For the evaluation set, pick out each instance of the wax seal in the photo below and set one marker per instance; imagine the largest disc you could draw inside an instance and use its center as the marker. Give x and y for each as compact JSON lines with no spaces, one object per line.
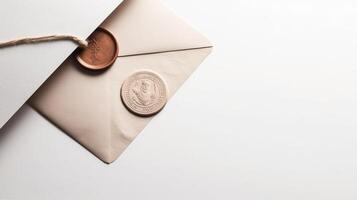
{"x":144,"y":93}
{"x":101,"y":52}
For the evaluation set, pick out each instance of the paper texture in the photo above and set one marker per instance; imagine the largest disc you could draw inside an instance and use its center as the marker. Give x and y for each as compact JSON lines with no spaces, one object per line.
{"x":87,"y":106}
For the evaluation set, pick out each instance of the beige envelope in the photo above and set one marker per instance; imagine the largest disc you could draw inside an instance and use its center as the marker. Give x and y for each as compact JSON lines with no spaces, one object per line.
{"x":88,"y":107}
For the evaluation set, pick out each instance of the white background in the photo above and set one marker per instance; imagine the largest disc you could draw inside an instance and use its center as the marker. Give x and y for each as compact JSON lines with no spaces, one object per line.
{"x":271,"y":114}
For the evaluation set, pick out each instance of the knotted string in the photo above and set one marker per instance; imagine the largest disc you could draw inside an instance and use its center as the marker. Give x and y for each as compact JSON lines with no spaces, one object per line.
{"x":31,"y":40}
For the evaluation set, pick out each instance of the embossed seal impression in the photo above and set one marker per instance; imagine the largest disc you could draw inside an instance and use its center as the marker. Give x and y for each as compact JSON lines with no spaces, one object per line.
{"x":144,"y":93}
{"x":101,"y":52}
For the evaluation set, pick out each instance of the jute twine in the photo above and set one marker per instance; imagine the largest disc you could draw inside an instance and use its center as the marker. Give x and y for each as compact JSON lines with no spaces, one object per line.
{"x":31,"y":40}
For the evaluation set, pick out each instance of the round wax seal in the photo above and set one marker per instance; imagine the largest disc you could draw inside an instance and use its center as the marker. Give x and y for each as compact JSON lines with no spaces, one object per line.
{"x":101,"y":52}
{"x":144,"y":93}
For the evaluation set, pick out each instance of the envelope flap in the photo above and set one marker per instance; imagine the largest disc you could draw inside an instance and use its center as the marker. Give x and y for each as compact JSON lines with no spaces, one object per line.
{"x":144,"y":26}
{"x":89,"y":108}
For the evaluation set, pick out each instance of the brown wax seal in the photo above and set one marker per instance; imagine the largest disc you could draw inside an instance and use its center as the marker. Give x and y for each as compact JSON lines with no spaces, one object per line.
{"x":101,"y":52}
{"x":144,"y":93}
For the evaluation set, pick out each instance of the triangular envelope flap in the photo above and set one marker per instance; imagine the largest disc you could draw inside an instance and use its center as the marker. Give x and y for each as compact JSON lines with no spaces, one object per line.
{"x":147,"y":26}
{"x":89,"y":108}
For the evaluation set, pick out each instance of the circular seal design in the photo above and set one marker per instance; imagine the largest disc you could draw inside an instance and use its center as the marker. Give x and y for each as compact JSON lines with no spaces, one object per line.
{"x":102,"y":50}
{"x":144,"y":93}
